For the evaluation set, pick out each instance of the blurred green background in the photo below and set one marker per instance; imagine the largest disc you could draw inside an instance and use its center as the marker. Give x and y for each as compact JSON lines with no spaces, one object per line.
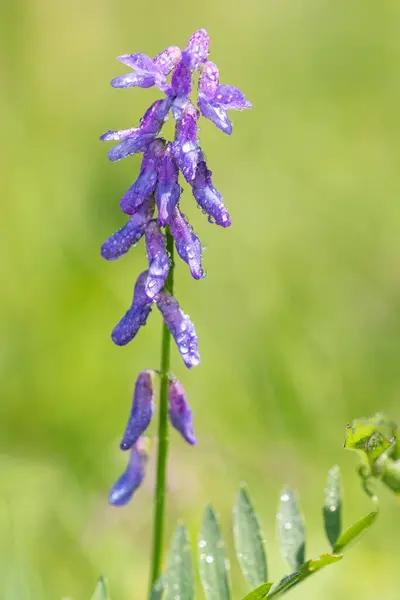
{"x":299,"y":316}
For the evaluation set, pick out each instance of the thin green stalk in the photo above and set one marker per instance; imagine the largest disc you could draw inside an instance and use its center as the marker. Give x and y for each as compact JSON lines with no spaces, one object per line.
{"x":162,"y":454}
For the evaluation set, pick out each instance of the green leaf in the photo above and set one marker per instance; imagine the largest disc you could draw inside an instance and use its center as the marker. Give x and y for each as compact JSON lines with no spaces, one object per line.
{"x":212,"y":558}
{"x":284,"y":585}
{"x":158,"y":588}
{"x":372,"y":436}
{"x":249,"y":541}
{"x":315,"y":564}
{"x":179,"y":576}
{"x":332,"y":509}
{"x":291,"y":530}
{"x":391,"y":475}
{"x":354,"y":532}
{"x":259,"y":593}
{"x":101,"y":591}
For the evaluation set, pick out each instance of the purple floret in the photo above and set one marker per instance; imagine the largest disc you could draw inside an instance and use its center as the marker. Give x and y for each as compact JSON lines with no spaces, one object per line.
{"x":187,"y":243}
{"x":185,"y":147}
{"x":122,"y":240}
{"x":136,"y":316}
{"x":123,"y":490}
{"x":214,"y":100}
{"x":145,"y":184}
{"x":181,"y":328}
{"x":137,"y":139}
{"x":208,"y":197}
{"x":142,"y":409}
{"x":179,"y":411}
{"x":196,"y":51}
{"x":159,"y":261}
{"x":180,"y":89}
{"x":168,"y":189}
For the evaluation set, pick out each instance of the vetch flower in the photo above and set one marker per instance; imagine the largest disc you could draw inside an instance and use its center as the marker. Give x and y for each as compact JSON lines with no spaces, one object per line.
{"x":145,"y":184}
{"x":196,"y":51}
{"x":121,"y":241}
{"x":142,"y":409}
{"x":123,"y":490}
{"x":179,"y":411}
{"x":159,"y":261}
{"x":184,"y":146}
{"x":187,"y":244}
{"x":136,"y":316}
{"x":215,"y":100}
{"x":181,"y":327}
{"x":137,"y":139}
{"x":168,"y":189}
{"x":208,"y":197}
{"x":147,"y":71}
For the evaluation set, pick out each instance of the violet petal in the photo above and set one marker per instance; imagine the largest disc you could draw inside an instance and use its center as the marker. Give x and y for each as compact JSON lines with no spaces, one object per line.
{"x":181,"y":328}
{"x":121,"y":241}
{"x":216,"y":113}
{"x":208,"y":197}
{"x":168,"y":189}
{"x":231,"y":97}
{"x":167,"y":59}
{"x":145,"y":184}
{"x":179,"y":411}
{"x":196,"y":51}
{"x":159,"y":261}
{"x":187,"y":243}
{"x":209,"y":80}
{"x":123,"y":490}
{"x":142,"y":409}
{"x":180,"y":89}
{"x":136,"y":316}
{"x":185,"y":147}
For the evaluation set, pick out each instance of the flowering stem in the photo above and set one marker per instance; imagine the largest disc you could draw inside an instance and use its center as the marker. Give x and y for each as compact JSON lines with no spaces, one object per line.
{"x":160,"y":493}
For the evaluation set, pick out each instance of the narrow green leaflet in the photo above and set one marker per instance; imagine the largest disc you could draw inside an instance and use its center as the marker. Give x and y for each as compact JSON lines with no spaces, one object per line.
{"x":179,"y":577}
{"x":354,"y":532}
{"x":291,"y":529}
{"x":259,"y":593}
{"x":101,"y":591}
{"x":315,"y":564}
{"x":284,"y":585}
{"x":332,"y":509}
{"x":249,"y":541}
{"x":212,"y":559}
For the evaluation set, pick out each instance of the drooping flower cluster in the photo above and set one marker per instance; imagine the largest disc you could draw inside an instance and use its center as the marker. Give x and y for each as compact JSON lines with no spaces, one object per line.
{"x":157,"y":187}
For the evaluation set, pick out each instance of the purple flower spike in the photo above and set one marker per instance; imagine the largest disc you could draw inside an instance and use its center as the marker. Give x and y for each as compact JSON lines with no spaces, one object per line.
{"x":137,"y":139}
{"x":185,"y":147}
{"x":146,"y":72}
{"x":179,"y":411}
{"x":145,"y":184}
{"x":214,"y":100}
{"x":187,"y":244}
{"x":136,"y":316}
{"x":181,"y":327}
{"x":142,"y":410}
{"x":168,"y":190}
{"x":159,"y":262}
{"x":208,"y":197}
{"x":167,"y":59}
{"x":121,"y":241}
{"x":123,"y":490}
{"x":197,"y":50}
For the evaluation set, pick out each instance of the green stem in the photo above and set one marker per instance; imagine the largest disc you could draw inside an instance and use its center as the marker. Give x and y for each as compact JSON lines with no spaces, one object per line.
{"x":160,"y":492}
